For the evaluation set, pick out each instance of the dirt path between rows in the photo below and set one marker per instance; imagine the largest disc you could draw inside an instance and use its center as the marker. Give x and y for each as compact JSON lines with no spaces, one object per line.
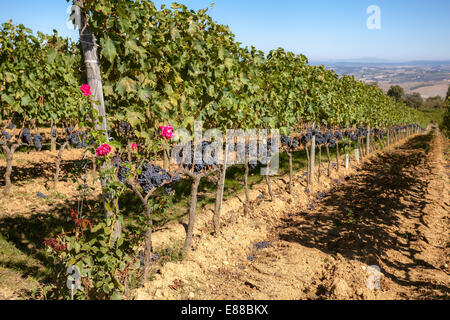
{"x":392,"y":213}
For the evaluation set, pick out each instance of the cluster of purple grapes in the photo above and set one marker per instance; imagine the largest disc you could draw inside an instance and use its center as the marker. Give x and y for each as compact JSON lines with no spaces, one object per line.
{"x":6,"y":135}
{"x":209,"y":157}
{"x":328,"y":138}
{"x":154,"y":177}
{"x":151,"y":176}
{"x":76,"y":138}
{"x":30,"y":139}
{"x":123,"y":171}
{"x":398,"y":129}
{"x":379,"y":133}
{"x":26,"y":136}
{"x":322,"y":138}
{"x":126,"y":129}
{"x":289,"y":142}
{"x":37,"y":140}
{"x":355,"y":135}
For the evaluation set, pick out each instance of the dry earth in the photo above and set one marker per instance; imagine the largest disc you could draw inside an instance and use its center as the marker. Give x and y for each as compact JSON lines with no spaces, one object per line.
{"x":428,"y":89}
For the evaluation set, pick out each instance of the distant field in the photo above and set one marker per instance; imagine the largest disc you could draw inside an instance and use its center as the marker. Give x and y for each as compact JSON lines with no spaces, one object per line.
{"x":429,"y":78}
{"x":430,"y":89}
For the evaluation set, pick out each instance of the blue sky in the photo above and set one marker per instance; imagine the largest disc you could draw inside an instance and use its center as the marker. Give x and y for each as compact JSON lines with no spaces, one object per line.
{"x":320,"y":29}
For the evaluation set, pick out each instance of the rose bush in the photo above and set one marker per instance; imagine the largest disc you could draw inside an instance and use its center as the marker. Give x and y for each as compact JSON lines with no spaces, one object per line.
{"x":167,"y":131}
{"x":103,"y":150}
{"x":86,"y":89}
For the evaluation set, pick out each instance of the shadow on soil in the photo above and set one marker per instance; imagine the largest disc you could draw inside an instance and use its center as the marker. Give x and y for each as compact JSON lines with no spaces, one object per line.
{"x":20,"y":174}
{"x":355,"y":217}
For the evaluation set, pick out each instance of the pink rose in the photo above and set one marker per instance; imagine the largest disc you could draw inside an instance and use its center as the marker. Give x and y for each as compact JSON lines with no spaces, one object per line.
{"x":86,"y":89}
{"x":134,"y":146}
{"x":103,"y":150}
{"x":167,"y":131}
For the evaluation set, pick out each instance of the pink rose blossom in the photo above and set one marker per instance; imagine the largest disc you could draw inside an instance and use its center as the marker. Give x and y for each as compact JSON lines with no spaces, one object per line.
{"x":86,"y":89}
{"x":167,"y":131}
{"x":103,"y":150}
{"x":134,"y":146}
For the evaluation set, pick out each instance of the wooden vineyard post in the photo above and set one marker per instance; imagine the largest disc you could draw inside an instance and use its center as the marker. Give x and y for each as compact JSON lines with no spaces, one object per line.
{"x":388,"y":138}
{"x":9,"y":152}
{"x":312,"y":160}
{"x":357,"y":151}
{"x":93,"y":73}
{"x":320,"y":163}
{"x":192,"y":208}
{"x":329,"y":159}
{"x":89,"y":47}
{"x":220,"y":189}
{"x":52,"y":138}
{"x":347,"y":161}
{"x":368,"y":141}
{"x":337,"y":156}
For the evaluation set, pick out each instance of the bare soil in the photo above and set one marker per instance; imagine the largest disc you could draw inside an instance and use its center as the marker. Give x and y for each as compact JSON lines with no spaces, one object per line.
{"x":390,"y":212}
{"x":33,"y":172}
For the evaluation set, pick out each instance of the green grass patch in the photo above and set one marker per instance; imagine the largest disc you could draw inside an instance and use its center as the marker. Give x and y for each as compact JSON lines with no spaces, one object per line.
{"x":432,"y":115}
{"x":19,"y":271}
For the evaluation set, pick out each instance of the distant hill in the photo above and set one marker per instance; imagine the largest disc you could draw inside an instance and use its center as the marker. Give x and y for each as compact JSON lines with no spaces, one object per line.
{"x":376,"y":61}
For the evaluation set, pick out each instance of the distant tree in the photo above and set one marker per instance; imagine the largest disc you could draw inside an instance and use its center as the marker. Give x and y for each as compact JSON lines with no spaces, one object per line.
{"x":396,"y":92}
{"x":434,"y":102}
{"x":414,"y":100}
{"x":448,"y":94}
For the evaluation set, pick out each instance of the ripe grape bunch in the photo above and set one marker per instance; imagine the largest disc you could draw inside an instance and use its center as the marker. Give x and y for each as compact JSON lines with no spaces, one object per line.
{"x":123,"y":172}
{"x":379,"y":133}
{"x":154,"y":177}
{"x":289,"y":142}
{"x":37,"y":140}
{"x":26,"y":136}
{"x":349,"y":134}
{"x":326,"y":138}
{"x":6,"y":135}
{"x":206,"y":161}
{"x":321,"y":138}
{"x":126,"y":129}
{"x":150,"y":177}
{"x":75,"y":139}
{"x":338,"y":136}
